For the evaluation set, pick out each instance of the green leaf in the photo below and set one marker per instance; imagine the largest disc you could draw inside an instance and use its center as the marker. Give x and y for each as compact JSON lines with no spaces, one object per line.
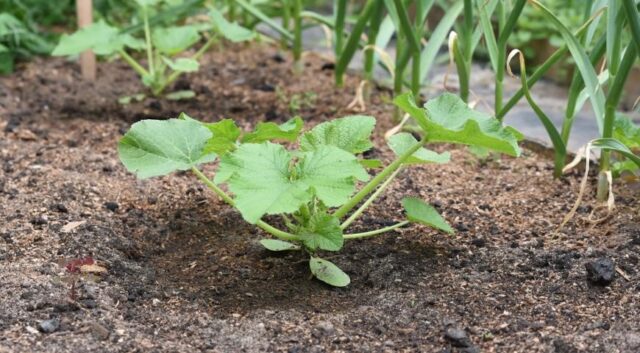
{"x":448,"y":119}
{"x":323,"y":232}
{"x":400,"y":143}
{"x":328,"y":273}
{"x":371,"y":163}
{"x":159,"y":147}
{"x":626,"y":131}
{"x":351,"y":133}
{"x":230,"y":30}
{"x":182,"y":64}
{"x":264,"y":180}
{"x":420,"y":212}
{"x":479,"y":152}
{"x":180,"y":95}
{"x":288,"y":131}
{"x":278,"y":245}
{"x":124,"y":100}
{"x":258,"y":175}
{"x":225,"y":134}
{"x":100,"y":37}
{"x":615,"y":145}
{"x":174,"y":40}
{"x":330,"y":172}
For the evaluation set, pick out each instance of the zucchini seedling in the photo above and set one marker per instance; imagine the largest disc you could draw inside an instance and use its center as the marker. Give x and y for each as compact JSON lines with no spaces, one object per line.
{"x":313,"y":188}
{"x":164,"y":46}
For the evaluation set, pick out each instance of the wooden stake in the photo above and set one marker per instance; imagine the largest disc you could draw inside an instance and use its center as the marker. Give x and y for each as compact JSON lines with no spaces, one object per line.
{"x":84,"y":11}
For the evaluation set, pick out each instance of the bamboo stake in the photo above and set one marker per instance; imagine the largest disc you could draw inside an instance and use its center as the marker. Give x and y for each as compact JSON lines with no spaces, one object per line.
{"x":84,"y":11}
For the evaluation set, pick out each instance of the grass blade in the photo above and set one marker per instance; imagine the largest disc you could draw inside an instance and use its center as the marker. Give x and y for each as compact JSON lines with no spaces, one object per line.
{"x":582,"y":62}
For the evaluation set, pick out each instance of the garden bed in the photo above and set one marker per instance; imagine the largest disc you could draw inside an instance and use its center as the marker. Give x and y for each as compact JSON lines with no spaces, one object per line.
{"x":185,"y":272}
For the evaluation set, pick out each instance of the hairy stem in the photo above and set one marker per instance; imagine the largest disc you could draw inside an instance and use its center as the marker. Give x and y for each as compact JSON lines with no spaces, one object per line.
{"x":375,"y":232}
{"x":370,"y":200}
{"x":147,"y":38}
{"x":382,"y":176}
{"x":133,"y":63}
{"x":226,"y":198}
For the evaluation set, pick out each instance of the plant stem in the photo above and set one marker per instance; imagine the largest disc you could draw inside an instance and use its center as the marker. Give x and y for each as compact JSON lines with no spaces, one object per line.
{"x":414,"y":46}
{"x":297,"y":37}
{"x":505,"y":33}
{"x":613,"y":98}
{"x":226,"y":198}
{"x":367,"y":189}
{"x":375,"y":232}
{"x":372,"y":35}
{"x":341,"y":12}
{"x":133,"y":63}
{"x":175,"y":74}
{"x":147,"y":38}
{"x":370,"y":200}
{"x":286,"y":17}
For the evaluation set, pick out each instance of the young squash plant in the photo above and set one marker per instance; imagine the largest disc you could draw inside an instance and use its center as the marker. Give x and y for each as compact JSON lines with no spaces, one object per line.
{"x":319,"y":188}
{"x":164,"y":46}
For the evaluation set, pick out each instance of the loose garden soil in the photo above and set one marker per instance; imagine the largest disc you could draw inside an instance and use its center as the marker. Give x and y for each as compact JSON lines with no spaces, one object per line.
{"x":185,"y":273}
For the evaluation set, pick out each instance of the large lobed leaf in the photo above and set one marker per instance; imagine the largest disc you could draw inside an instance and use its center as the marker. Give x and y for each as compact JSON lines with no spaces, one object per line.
{"x":175,"y":39}
{"x":351,"y":133}
{"x":230,"y":30}
{"x":158,"y":147}
{"x":99,"y":37}
{"x":448,"y":119}
{"x":259,"y":176}
{"x":265,"y":180}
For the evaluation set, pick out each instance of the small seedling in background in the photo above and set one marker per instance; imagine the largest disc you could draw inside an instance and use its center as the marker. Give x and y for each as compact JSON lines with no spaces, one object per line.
{"x":314,"y":187}
{"x":164,"y":46}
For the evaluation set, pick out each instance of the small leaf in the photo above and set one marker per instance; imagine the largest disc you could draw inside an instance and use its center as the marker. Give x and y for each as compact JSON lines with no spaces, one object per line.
{"x":288,"y":131}
{"x":180,"y":95}
{"x":182,"y":64}
{"x":225,"y":134}
{"x":124,"y":100}
{"x":448,"y":119}
{"x":626,"y":131}
{"x":278,"y":245}
{"x":323,"y":232}
{"x":420,"y":212}
{"x":230,"y":30}
{"x":174,"y":40}
{"x":351,"y":133}
{"x":159,"y":147}
{"x":328,"y":273}
{"x":371,"y":163}
{"x":400,"y":143}
{"x":615,"y":145}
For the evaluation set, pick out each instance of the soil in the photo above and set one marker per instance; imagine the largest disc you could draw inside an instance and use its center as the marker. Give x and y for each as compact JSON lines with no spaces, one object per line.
{"x":184,"y":273}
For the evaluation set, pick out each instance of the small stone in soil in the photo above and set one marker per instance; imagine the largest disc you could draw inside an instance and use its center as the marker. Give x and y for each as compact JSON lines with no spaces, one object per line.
{"x":65,"y":307}
{"x":89,"y":303}
{"x":479,"y":242}
{"x":601,"y":271}
{"x":457,"y":337}
{"x":49,"y":326}
{"x":40,"y":220}
{"x":111,"y":206}
{"x":324,"y":328}
{"x":60,"y":207}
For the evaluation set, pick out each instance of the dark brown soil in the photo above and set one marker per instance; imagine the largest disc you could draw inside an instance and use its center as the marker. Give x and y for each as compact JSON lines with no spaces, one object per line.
{"x":185,"y":273}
